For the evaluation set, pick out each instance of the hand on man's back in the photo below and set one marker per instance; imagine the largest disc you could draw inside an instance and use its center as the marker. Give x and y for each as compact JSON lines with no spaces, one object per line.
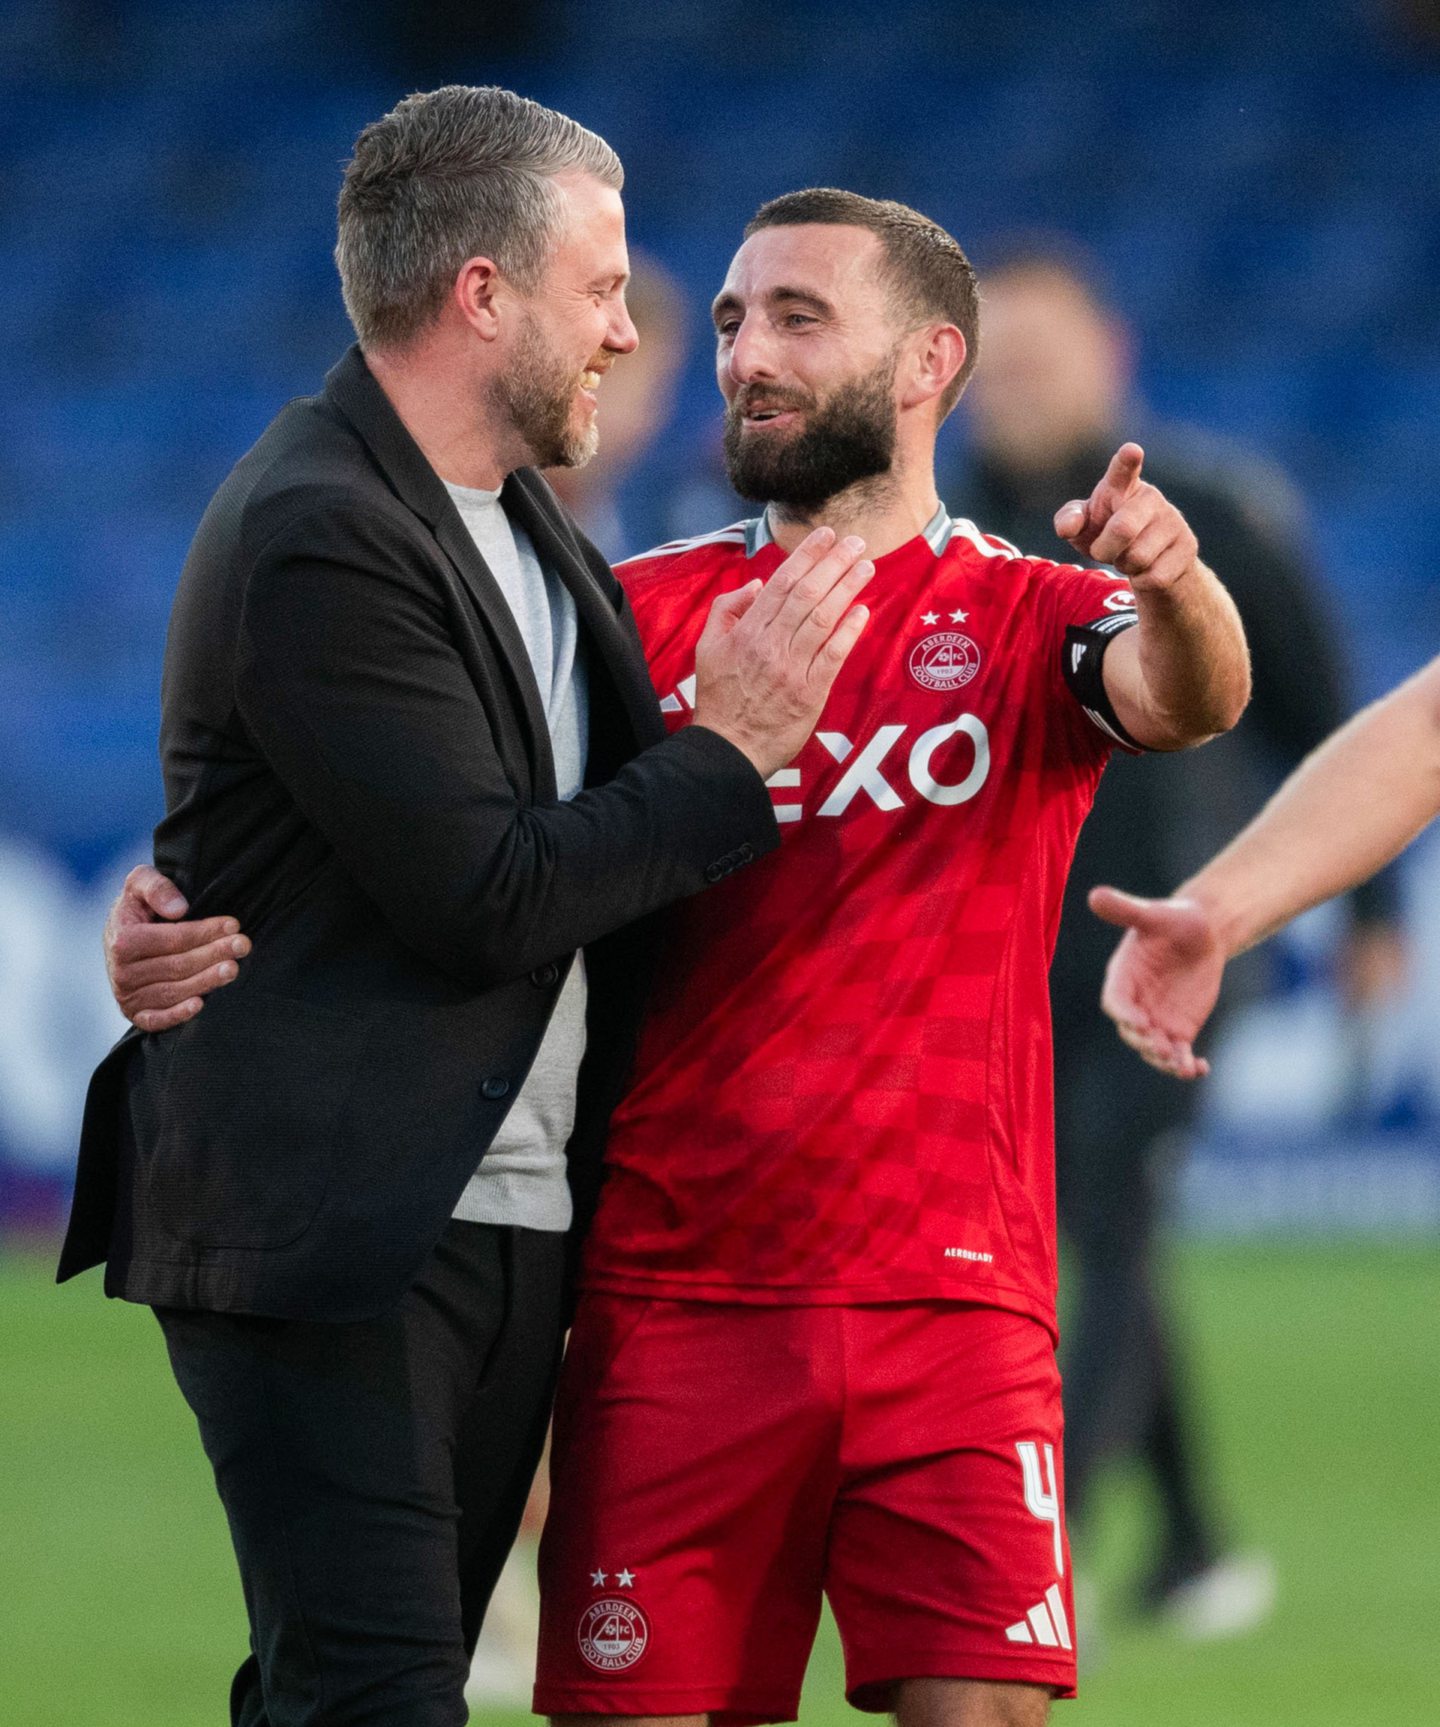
{"x":161,"y":968}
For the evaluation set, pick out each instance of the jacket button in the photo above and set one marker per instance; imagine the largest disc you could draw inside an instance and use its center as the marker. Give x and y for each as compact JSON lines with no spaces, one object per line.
{"x":544,"y":975}
{"x":714,"y":871}
{"x":495,"y":1089}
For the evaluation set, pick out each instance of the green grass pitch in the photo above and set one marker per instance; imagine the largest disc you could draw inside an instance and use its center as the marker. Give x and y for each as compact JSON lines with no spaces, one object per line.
{"x":1321,"y":1371}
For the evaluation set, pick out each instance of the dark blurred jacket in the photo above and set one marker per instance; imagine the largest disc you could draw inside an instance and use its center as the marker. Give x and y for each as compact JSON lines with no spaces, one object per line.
{"x":1157,"y":818}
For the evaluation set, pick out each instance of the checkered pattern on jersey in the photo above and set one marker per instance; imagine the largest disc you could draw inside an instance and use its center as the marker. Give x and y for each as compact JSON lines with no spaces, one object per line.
{"x":843,"y":1090}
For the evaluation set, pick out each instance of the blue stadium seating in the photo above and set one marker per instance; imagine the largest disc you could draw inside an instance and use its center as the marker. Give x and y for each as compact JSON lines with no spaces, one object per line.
{"x":1261,"y":181}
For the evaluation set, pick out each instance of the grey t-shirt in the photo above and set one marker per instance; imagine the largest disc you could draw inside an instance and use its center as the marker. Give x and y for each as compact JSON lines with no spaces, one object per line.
{"x":522,"y":1178}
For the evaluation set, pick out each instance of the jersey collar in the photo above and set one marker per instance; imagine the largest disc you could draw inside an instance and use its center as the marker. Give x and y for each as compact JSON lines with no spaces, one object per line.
{"x":936,"y":532}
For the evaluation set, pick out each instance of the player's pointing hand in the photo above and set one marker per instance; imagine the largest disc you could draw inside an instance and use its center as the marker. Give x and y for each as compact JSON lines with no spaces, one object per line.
{"x":1081,"y":520}
{"x":1130,"y":525}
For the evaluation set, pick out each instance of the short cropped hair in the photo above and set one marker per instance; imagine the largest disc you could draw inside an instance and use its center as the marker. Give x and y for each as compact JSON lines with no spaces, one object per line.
{"x":929,"y":275}
{"x":456,"y":173}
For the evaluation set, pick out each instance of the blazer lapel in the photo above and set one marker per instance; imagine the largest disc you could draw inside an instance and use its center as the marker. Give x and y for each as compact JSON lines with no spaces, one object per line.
{"x":485,"y":591}
{"x":534,"y":507}
{"x":351,"y":388}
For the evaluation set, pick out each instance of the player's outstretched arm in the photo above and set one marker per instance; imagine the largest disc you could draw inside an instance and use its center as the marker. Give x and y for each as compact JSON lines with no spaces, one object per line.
{"x":1184,"y":674}
{"x":159,"y":966}
{"x":1350,"y":807}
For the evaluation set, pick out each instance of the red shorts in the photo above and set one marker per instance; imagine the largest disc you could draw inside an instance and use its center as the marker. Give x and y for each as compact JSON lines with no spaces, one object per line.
{"x":716,"y":1468}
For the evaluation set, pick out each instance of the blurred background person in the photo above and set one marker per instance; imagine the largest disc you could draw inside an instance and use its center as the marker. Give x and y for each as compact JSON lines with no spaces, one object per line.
{"x":1054,"y":389}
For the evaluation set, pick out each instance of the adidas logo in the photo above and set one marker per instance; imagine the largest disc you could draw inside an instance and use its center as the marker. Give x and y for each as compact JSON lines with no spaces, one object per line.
{"x":1044,"y":1623}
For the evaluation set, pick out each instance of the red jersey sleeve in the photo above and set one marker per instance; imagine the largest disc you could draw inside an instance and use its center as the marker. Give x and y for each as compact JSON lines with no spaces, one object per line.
{"x":1080,"y":612}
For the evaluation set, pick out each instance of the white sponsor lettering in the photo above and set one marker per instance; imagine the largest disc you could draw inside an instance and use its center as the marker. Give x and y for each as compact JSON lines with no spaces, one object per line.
{"x":681,"y":697}
{"x":926,"y":745}
{"x":863,"y":774}
{"x":864,"y":769}
{"x":783,"y":779}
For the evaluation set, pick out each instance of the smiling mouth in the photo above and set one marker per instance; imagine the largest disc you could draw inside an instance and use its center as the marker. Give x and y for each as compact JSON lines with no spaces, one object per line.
{"x":767,"y":416}
{"x":590,"y":381}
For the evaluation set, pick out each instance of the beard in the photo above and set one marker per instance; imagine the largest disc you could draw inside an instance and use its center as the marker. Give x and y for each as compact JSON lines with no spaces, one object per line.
{"x":537,"y":395}
{"x":850,"y":437}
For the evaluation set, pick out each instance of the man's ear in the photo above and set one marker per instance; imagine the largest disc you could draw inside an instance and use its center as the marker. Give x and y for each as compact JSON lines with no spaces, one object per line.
{"x":478,"y":292}
{"x":937,"y":354}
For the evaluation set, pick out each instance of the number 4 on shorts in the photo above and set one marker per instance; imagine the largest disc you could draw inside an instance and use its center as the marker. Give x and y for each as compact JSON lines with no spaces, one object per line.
{"x":1042,"y":1501}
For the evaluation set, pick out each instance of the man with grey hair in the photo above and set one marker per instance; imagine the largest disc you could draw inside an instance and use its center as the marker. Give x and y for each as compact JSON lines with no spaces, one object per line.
{"x":409,"y":739}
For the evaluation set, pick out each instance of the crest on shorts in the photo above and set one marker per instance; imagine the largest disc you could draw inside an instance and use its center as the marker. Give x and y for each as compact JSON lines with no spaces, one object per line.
{"x":944,"y":661}
{"x":613,"y":1635}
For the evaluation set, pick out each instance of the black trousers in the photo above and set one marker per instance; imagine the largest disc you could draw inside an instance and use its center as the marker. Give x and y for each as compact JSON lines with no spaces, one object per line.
{"x":1117,"y":1125}
{"x":374,"y":1475}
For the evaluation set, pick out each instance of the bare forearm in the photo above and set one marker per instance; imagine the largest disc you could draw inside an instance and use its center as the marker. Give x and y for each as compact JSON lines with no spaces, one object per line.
{"x":1192,"y":667}
{"x":1348,"y":810}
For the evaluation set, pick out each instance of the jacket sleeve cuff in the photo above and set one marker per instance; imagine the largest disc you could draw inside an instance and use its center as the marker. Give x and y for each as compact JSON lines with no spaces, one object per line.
{"x":735,"y":816}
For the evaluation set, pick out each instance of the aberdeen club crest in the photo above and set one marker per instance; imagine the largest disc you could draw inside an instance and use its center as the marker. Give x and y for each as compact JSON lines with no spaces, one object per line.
{"x":613,"y":1635}
{"x":944,"y":661}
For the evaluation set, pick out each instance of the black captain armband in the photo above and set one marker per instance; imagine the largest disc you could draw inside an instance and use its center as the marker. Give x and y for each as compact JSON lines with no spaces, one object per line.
{"x":1085,"y":646}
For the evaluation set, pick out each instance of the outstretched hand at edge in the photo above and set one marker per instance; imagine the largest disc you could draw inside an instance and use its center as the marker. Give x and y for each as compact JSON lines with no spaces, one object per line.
{"x":1164,"y":978}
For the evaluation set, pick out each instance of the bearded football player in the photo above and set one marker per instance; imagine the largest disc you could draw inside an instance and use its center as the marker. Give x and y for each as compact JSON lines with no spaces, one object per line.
{"x":814,"y":1348}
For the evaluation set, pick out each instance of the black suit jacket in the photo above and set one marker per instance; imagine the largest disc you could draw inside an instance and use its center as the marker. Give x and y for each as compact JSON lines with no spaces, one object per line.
{"x":357,"y":766}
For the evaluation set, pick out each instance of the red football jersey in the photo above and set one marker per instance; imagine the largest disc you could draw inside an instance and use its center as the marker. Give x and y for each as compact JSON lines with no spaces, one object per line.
{"x":843,"y":1090}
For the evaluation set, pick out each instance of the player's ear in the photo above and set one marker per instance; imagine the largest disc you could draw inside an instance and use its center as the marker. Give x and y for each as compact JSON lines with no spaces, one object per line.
{"x":937,"y":352}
